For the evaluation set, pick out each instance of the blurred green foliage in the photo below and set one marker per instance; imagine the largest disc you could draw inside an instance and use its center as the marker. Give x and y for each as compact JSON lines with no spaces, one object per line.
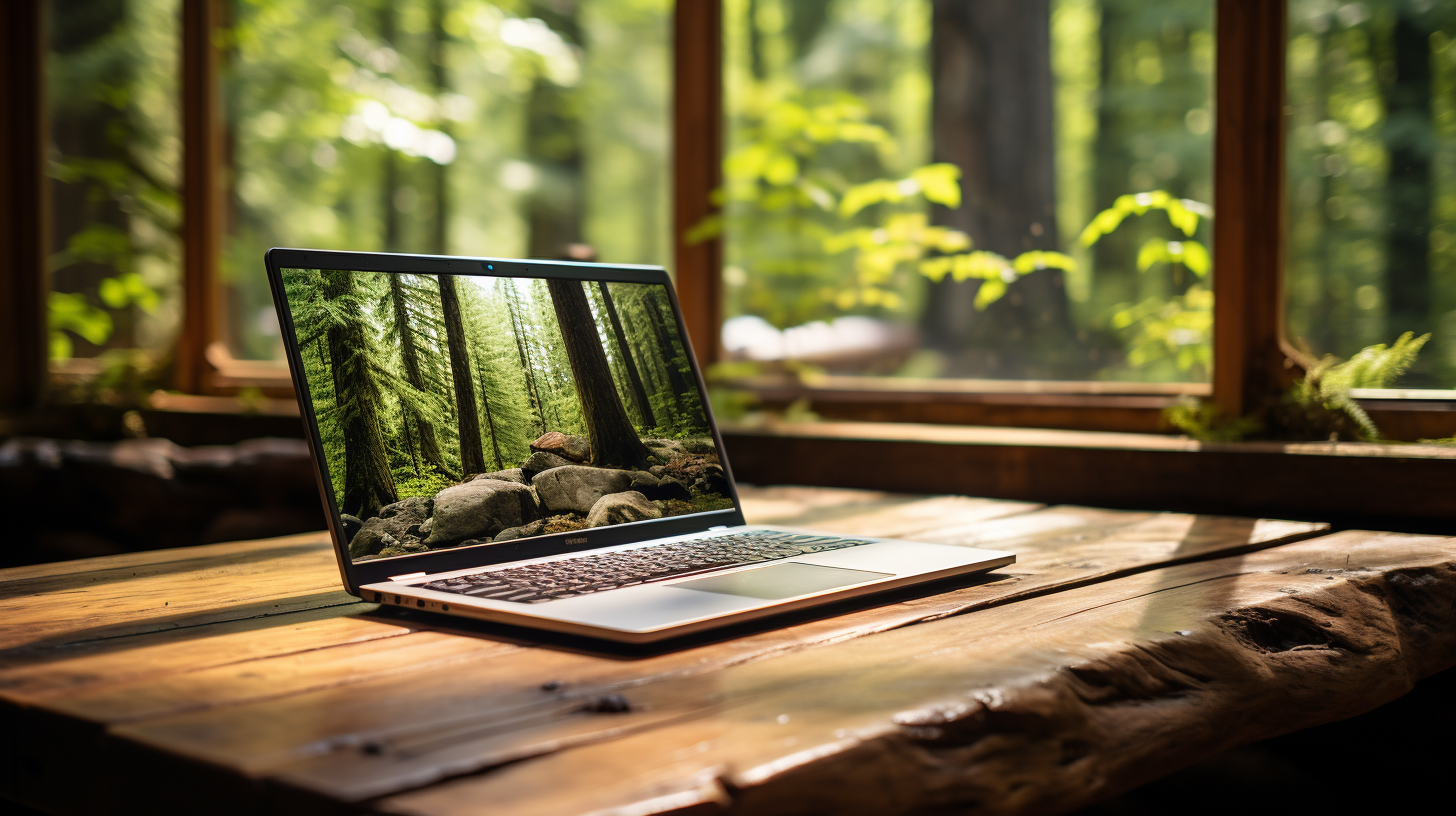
{"x":508,"y":127}
{"x":1320,"y":405}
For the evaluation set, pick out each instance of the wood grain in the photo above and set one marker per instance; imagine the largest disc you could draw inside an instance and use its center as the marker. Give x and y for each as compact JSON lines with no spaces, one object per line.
{"x":309,"y":705}
{"x":1031,"y":707}
{"x":411,"y":701}
{"x":148,"y":592}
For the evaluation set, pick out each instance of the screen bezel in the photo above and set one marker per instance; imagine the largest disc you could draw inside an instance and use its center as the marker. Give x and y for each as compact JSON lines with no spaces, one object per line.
{"x":356,"y":575}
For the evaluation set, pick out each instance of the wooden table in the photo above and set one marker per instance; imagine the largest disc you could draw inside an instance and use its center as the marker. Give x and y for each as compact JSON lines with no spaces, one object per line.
{"x":238,"y":678}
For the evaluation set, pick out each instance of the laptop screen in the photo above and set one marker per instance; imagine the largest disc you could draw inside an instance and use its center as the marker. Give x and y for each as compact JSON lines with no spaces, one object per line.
{"x":470,"y":410}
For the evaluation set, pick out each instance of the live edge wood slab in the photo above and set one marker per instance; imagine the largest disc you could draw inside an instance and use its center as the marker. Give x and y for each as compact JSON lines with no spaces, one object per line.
{"x":238,"y":678}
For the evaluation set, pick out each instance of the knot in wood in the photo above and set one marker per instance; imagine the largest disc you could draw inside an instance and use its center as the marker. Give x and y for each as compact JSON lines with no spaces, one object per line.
{"x":608,"y":704}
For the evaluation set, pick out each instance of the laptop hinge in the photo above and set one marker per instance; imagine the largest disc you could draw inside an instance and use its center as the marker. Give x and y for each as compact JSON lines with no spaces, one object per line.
{"x":407,"y":576}
{"x":719,"y":527}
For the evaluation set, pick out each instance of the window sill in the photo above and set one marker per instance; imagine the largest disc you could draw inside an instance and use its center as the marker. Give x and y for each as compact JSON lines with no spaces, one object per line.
{"x":1116,"y":407}
{"x":1351,"y":483}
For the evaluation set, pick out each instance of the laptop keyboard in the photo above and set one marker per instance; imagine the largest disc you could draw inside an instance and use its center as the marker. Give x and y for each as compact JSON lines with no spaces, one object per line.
{"x":569,"y":578}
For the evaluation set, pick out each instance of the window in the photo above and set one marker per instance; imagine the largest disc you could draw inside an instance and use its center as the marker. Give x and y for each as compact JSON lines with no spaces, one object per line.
{"x":440,"y":126}
{"x":913,"y":189}
{"x":1372,"y":181}
{"x":246,"y":159}
{"x":114,"y":167}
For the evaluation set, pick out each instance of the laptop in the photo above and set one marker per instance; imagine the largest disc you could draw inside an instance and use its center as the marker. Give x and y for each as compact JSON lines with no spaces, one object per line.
{"x":531,"y":443}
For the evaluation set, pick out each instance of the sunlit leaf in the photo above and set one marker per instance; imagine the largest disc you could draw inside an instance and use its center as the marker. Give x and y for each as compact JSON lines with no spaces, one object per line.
{"x":940,"y":183}
{"x":1196,"y":258}
{"x":1154,"y":251}
{"x":990,"y":292}
{"x":859,"y":196}
{"x":781,"y":169}
{"x":709,"y":228}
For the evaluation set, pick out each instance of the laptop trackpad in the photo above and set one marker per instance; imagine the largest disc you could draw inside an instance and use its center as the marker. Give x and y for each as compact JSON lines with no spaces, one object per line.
{"x":781,"y":581}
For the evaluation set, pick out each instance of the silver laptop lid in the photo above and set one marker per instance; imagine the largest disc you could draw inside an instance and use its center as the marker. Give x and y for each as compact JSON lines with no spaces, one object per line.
{"x":473,"y":411}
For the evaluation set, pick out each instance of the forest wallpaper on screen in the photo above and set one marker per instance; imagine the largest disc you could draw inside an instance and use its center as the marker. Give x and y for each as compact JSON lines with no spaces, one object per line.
{"x":465,"y":410}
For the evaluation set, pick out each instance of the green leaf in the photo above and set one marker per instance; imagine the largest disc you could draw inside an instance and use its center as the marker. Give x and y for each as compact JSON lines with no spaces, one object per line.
{"x":937,"y":268}
{"x":1196,"y":258}
{"x":707,"y":229}
{"x":990,"y":292}
{"x":71,"y":312}
{"x":940,"y":183}
{"x":1155,"y":251}
{"x":781,"y":169}
{"x":1038,"y":259}
{"x":61,"y":346}
{"x":859,"y":196}
{"x":113,"y":293}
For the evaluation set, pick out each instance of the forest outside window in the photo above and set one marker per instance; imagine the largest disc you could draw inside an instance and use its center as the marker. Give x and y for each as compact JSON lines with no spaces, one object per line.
{"x":114,"y":163}
{"x":1000,"y":191}
{"x":518,"y":129}
{"x":511,"y":129}
{"x":1076,"y":136}
{"x":1372,"y":185}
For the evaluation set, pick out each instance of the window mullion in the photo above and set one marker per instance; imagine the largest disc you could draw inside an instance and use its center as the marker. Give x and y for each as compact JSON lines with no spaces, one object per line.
{"x":202,"y":202}
{"x":697,"y":131}
{"x":1249,"y":362}
{"x":24,"y":204}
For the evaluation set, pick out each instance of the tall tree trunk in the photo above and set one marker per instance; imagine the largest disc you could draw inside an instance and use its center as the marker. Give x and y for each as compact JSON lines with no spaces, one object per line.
{"x":389,"y":189}
{"x":1408,"y":137}
{"x":513,"y":305}
{"x":629,"y":362}
{"x":368,"y":484}
{"x":992,"y":117}
{"x":614,"y":359}
{"x":409,"y":445}
{"x":554,"y":146}
{"x":652,"y":376}
{"x":472,"y":457}
{"x":1322,"y":339}
{"x":440,"y":240}
{"x":1116,"y":280}
{"x":489,"y":418}
{"x":613,"y":440}
{"x":425,"y":431}
{"x":676,"y":382}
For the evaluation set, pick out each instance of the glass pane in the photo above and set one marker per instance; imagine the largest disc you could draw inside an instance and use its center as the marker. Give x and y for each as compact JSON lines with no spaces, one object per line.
{"x":515,"y":129}
{"x":1006,"y":190}
{"x":115,"y":164}
{"x":1372,"y":181}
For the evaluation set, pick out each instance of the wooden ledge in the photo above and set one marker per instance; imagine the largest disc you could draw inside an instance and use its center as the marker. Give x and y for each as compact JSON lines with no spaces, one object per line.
{"x":1399,"y":486}
{"x":1028,"y":708}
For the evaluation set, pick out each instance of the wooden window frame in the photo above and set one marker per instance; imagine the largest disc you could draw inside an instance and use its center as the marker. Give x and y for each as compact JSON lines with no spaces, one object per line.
{"x":1252,"y":358}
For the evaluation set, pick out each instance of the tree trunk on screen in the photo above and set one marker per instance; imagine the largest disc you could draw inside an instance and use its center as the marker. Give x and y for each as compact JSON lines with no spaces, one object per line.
{"x":1408,"y":138}
{"x":368,"y":484}
{"x":675,"y":379}
{"x":424,"y":430}
{"x":513,"y":305}
{"x":992,"y":117}
{"x":489,"y":418}
{"x":613,"y":440}
{"x":634,"y":375}
{"x":472,"y":456}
